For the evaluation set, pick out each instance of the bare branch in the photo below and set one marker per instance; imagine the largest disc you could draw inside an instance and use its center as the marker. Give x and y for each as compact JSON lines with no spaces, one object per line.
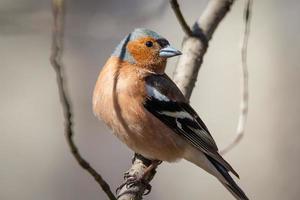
{"x":194,"y":48}
{"x":58,"y":10}
{"x":245,"y":90}
{"x":185,"y":75}
{"x":185,"y":27}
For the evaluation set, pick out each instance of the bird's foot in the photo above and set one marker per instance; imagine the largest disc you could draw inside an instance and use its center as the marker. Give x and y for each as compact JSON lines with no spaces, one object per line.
{"x":133,"y":180}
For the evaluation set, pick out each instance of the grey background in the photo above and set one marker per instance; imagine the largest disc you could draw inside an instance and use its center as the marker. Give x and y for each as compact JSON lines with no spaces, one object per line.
{"x":35,"y":160}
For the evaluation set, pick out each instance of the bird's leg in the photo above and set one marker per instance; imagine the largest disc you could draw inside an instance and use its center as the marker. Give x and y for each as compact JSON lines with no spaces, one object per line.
{"x":151,"y":167}
{"x":133,"y":179}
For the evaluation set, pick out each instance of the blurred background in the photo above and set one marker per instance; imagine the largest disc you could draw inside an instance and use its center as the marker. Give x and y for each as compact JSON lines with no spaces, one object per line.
{"x":35,"y":159}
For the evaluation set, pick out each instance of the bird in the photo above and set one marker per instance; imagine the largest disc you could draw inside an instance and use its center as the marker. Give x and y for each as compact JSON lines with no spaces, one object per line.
{"x":145,"y":109}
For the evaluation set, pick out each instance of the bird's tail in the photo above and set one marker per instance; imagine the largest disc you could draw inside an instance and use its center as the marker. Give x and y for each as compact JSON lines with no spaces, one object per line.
{"x":212,"y":166}
{"x":229,"y":183}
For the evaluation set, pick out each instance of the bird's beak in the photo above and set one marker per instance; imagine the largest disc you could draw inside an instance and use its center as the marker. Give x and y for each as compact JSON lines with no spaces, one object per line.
{"x":169,"y":51}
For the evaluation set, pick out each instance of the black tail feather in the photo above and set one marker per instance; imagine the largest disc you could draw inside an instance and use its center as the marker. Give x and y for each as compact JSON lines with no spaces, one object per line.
{"x":230,"y":183}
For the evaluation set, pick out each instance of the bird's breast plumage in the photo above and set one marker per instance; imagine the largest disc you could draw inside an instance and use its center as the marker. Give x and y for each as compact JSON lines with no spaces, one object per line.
{"x":118,"y":100}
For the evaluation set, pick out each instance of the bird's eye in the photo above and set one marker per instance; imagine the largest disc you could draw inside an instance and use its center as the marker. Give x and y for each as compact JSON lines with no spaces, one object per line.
{"x":149,"y":44}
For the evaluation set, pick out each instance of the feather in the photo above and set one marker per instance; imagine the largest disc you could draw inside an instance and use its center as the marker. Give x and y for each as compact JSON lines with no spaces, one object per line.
{"x":166,"y":102}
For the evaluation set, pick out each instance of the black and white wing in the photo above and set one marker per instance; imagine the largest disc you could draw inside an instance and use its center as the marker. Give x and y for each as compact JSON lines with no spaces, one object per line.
{"x":179,"y":118}
{"x":167,"y":103}
{"x":177,"y":115}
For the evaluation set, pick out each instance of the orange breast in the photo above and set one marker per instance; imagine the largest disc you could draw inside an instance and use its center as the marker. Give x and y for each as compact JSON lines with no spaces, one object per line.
{"x":118,"y":100}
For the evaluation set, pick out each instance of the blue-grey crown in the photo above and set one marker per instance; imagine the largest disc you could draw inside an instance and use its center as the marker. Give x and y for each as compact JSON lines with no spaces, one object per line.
{"x":121,"y":50}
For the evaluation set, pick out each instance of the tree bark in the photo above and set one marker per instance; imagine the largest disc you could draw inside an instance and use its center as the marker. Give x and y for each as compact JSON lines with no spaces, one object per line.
{"x":194,"y":47}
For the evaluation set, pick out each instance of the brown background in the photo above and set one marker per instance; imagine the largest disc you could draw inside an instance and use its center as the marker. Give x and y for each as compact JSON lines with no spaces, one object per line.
{"x":35,"y":160}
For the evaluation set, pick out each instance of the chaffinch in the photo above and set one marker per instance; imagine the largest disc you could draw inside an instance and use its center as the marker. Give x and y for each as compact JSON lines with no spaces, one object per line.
{"x":147,"y":111}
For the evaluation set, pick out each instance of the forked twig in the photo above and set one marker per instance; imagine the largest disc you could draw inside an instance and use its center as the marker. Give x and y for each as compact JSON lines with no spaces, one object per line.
{"x":185,"y":27}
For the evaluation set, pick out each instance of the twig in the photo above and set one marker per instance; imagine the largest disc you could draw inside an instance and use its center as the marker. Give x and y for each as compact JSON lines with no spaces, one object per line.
{"x":185,"y":27}
{"x":245,"y":90}
{"x":58,"y":10}
{"x":194,"y":48}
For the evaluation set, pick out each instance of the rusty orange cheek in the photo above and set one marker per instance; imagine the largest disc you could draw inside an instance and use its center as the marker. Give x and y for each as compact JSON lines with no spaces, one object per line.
{"x":141,"y":52}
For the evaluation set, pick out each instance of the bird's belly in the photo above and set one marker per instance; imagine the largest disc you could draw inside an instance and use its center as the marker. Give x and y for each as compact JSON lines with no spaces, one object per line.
{"x":155,"y":141}
{"x":121,"y":108}
{"x":141,"y":131}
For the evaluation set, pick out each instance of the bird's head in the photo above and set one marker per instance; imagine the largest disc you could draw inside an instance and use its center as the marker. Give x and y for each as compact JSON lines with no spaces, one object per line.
{"x":146,"y":49}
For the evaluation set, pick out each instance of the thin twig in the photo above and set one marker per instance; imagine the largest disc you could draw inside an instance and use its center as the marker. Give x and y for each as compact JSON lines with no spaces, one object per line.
{"x":185,"y":27}
{"x":245,"y":88}
{"x":58,"y":10}
{"x":194,"y":48}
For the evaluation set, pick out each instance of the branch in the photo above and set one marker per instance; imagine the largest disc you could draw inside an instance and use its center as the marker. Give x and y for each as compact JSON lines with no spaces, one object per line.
{"x":185,"y":27}
{"x":58,"y":10}
{"x":245,"y":90}
{"x":193,"y":48}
